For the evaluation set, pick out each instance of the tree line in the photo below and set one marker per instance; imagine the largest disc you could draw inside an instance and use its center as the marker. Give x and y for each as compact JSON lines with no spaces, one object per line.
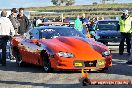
{"x":72,"y":2}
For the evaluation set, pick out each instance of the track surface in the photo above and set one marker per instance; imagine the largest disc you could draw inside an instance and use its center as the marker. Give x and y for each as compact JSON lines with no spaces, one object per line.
{"x":13,"y":76}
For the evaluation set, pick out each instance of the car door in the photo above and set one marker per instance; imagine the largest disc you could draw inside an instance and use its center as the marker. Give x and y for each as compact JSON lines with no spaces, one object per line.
{"x":33,"y":48}
{"x":24,"y":48}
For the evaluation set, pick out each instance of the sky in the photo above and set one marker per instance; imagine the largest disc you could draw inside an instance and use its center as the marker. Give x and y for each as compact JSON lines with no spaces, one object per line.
{"x":7,"y":4}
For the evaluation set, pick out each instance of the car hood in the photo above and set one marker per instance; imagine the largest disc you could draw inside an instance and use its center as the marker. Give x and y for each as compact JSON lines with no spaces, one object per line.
{"x":111,"y":33}
{"x":78,"y":46}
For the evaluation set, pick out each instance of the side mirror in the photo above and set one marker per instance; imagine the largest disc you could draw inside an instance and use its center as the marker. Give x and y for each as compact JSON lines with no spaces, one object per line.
{"x":34,"y":40}
{"x":24,"y":35}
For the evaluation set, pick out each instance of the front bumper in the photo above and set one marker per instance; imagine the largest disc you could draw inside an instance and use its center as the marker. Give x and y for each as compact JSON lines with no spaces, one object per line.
{"x":85,"y":64}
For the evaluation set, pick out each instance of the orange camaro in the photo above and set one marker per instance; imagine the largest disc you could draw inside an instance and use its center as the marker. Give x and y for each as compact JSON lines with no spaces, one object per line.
{"x":60,"y":48}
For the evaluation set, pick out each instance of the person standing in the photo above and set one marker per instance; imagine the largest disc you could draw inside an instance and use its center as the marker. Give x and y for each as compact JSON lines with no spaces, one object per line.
{"x":44,"y":19}
{"x":23,"y":20}
{"x":84,"y":23}
{"x":38,"y":21}
{"x":125,"y":30}
{"x":16,"y":24}
{"x":34,"y":22}
{"x":78,"y":24}
{"x":13,"y":19}
{"x":6,"y":31}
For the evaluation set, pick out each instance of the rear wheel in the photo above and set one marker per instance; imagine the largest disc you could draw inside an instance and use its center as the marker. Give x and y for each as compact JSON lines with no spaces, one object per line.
{"x":19,"y":59}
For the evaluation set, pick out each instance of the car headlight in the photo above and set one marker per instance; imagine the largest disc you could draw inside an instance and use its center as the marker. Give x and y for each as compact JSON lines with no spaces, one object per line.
{"x":106,"y":53}
{"x":65,"y":54}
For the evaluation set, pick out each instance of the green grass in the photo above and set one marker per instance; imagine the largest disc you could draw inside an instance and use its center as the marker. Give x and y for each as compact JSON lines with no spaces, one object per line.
{"x":129,"y":5}
{"x":106,"y":10}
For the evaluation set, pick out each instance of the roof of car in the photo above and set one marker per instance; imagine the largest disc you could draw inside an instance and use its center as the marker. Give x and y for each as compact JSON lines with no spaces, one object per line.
{"x":54,"y":23}
{"x":108,"y":20}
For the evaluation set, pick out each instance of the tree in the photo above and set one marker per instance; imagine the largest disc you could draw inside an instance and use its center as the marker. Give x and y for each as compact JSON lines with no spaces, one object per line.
{"x":56,"y":2}
{"x":70,"y":2}
{"x":95,"y":3}
{"x":63,"y":2}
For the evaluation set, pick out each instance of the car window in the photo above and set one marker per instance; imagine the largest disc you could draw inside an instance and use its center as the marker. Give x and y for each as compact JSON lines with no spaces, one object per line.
{"x":56,"y":32}
{"x":34,"y":33}
{"x":107,"y":25}
{"x":107,"y":22}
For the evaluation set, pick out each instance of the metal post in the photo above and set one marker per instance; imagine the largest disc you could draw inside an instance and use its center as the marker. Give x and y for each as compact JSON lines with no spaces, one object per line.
{"x":61,"y":17}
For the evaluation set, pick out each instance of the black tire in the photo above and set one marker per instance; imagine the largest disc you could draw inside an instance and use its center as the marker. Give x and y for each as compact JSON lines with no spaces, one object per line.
{"x":19,"y":59}
{"x":14,"y":52}
{"x":46,"y":63}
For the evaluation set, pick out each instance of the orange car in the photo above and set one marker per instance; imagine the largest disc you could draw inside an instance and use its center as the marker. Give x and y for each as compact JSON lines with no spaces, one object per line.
{"x":60,"y":48}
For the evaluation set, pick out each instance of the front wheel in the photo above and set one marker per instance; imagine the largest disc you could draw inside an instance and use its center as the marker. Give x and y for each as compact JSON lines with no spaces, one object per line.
{"x":47,"y":65}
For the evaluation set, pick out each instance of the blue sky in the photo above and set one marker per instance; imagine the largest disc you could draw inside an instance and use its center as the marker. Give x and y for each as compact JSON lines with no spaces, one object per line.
{"x":6,"y":4}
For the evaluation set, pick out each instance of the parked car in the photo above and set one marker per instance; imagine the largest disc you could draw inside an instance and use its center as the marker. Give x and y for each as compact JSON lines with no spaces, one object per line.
{"x":60,"y":48}
{"x":106,"y":31}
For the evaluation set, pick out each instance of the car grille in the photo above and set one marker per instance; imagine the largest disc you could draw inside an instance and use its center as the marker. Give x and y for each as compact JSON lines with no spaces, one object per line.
{"x":90,"y":63}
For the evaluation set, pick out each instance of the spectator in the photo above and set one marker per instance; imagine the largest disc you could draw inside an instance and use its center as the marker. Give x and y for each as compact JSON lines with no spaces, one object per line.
{"x":125,"y":27}
{"x":34,"y":22}
{"x":97,"y":18}
{"x":85,"y":24}
{"x":6,"y":30}
{"x":44,"y":19}
{"x":102,"y":18}
{"x":58,"y":19}
{"x":78,"y":24}
{"x":67,"y":19}
{"x":23,"y":20}
{"x":38,"y":21}
{"x":13,"y":19}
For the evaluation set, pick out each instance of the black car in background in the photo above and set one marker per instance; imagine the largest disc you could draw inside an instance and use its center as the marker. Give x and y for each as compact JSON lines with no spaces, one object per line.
{"x":106,"y":31}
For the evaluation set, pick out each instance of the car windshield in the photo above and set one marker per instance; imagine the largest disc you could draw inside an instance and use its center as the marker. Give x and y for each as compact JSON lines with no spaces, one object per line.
{"x":107,"y":25}
{"x":56,"y":32}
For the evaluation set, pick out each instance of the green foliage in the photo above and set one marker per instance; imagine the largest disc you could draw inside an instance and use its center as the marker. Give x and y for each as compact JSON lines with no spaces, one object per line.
{"x":81,"y":7}
{"x":56,"y":2}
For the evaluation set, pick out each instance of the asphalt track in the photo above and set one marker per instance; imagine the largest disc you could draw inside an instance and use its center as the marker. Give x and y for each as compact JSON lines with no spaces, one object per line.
{"x":31,"y":76}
